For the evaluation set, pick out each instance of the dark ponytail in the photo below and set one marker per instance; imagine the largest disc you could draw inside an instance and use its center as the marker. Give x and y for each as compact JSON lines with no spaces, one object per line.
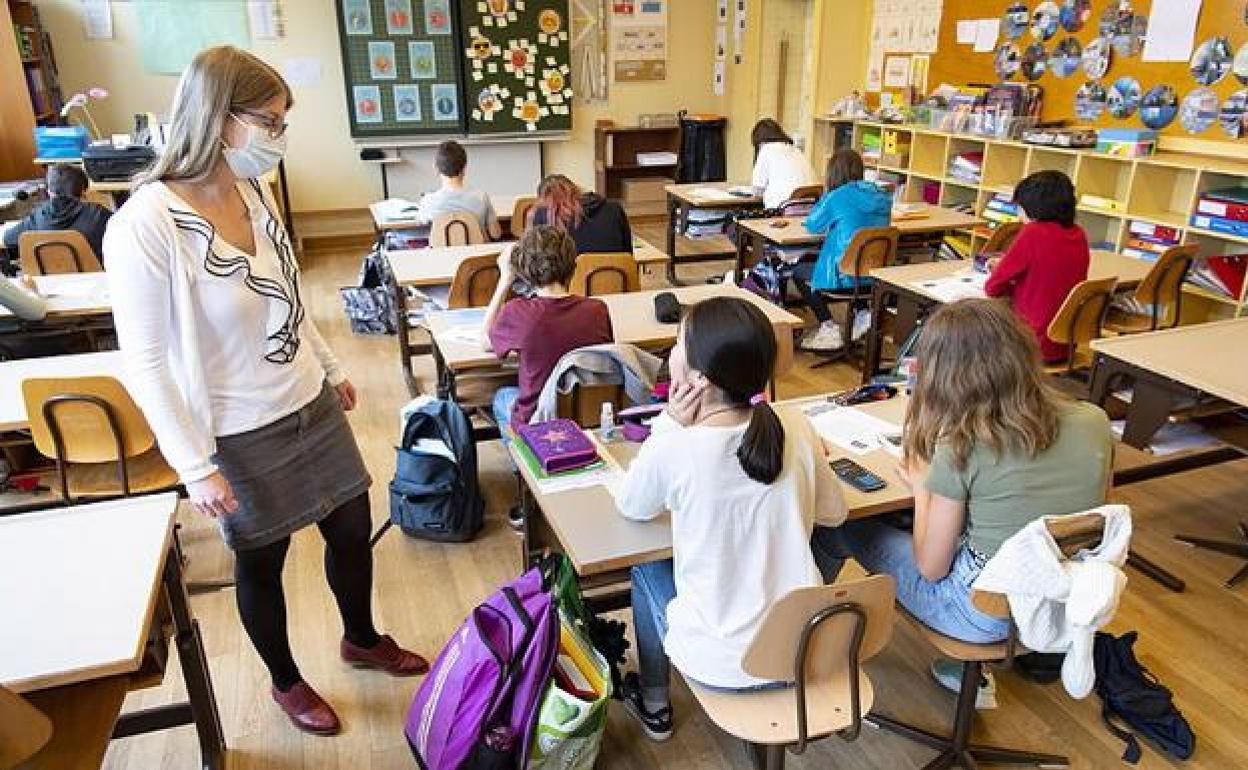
{"x":731,"y":342}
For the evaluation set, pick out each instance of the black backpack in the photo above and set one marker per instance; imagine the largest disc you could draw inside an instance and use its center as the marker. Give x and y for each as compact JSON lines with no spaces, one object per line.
{"x":370,"y":306}
{"x":1131,"y":693}
{"x":432,"y":496}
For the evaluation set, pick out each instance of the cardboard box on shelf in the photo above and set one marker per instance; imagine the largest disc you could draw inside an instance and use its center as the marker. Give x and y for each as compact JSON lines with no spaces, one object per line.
{"x":644,"y":189}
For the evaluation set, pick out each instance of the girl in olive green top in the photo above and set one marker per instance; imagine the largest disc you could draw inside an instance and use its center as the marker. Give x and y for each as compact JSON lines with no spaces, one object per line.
{"x":989,"y":446}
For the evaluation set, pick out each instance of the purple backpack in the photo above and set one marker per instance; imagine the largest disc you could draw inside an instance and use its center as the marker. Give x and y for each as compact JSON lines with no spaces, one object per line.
{"x":478,"y":705}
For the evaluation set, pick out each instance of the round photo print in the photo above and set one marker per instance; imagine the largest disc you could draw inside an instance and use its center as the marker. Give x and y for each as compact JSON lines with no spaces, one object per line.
{"x":1159,"y":107}
{"x":1117,"y":17}
{"x":1074,"y":14}
{"x":1015,"y":20}
{"x":1064,"y":61}
{"x":1234,"y":114}
{"x":1240,"y":65}
{"x":1124,"y":97}
{"x":1212,"y":60}
{"x":1007,"y":60}
{"x":1090,"y":101}
{"x":1044,"y":21}
{"x":1035,"y":59}
{"x":1130,"y":42}
{"x":1199,"y":111}
{"x":1096,"y":56}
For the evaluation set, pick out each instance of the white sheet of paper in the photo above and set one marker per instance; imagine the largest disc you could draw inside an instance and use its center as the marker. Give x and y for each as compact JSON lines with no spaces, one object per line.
{"x":853,"y":430}
{"x":97,"y":19}
{"x":955,"y":287}
{"x":968,"y":31}
{"x":986,"y":34}
{"x":262,"y":19}
{"x":1171,"y":30}
{"x":609,"y":476}
{"x":302,"y":72}
{"x":718,"y":82}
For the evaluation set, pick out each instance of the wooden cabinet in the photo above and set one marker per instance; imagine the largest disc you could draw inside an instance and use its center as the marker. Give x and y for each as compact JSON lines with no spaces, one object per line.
{"x":615,"y":155}
{"x":29,"y":83}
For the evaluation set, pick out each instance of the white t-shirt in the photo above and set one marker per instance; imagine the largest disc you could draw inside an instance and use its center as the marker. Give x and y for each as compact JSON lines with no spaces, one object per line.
{"x":780,"y":169}
{"x":447,"y":200}
{"x":738,"y":545}
{"x":215,"y":342}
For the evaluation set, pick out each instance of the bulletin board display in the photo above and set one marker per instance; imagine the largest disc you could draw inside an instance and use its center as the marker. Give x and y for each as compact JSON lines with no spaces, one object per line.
{"x":455,"y":67}
{"x":958,"y":64}
{"x":517,"y":63}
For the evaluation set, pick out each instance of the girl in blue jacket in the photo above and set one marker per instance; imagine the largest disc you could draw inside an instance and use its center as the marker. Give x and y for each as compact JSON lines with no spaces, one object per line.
{"x":849,"y":204}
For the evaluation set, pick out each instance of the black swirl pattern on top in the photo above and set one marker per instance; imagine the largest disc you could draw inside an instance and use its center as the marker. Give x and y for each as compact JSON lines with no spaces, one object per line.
{"x":283,"y":342}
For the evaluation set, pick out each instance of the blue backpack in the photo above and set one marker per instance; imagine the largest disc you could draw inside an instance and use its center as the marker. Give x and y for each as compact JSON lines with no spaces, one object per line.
{"x":1130,"y":693}
{"x":435,"y":494}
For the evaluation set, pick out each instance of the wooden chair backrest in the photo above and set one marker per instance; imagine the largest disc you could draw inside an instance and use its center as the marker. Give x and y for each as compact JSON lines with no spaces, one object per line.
{"x":94,"y":417}
{"x":871,"y":248}
{"x":23,"y":729}
{"x":520,"y":212}
{"x":456,"y":228}
{"x":1162,"y":287}
{"x":1071,"y":533}
{"x":583,"y":403}
{"x":474,"y":282}
{"x":772,"y":654}
{"x":53,"y":252}
{"x":1002,"y":237}
{"x":1078,"y":320}
{"x":808,"y":192}
{"x":605,"y":273}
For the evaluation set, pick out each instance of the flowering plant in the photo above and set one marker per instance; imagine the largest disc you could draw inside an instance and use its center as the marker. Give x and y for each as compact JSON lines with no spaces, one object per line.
{"x":80,"y":101}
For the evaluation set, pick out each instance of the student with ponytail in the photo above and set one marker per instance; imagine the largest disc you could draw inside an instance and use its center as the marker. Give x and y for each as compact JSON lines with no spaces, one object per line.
{"x":744,"y":484}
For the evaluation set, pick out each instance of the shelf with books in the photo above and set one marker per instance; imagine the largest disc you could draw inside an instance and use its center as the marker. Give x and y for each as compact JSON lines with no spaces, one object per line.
{"x":1227,"y":237}
{"x":1103,"y":183}
{"x":1104,"y":231}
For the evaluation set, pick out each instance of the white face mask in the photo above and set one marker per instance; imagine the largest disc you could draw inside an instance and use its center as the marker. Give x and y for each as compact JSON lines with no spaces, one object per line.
{"x":258,"y":156}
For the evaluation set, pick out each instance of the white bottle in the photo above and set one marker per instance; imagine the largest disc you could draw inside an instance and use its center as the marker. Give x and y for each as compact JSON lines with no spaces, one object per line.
{"x":606,"y":422}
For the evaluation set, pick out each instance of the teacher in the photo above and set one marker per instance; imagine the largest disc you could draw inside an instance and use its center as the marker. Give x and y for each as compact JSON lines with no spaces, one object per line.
{"x":245,"y":398}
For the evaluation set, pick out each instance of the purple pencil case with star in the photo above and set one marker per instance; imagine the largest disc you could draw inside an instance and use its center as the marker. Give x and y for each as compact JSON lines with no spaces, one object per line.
{"x":558,"y":445}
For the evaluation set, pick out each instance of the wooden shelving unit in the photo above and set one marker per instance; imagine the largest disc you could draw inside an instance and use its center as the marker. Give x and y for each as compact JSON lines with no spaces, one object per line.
{"x":30,"y":85}
{"x":1162,"y":189}
{"x":615,"y":155}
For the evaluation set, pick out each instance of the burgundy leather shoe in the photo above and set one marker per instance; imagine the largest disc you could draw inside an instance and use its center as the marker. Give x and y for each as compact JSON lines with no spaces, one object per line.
{"x":307,"y":710}
{"x":385,"y":655}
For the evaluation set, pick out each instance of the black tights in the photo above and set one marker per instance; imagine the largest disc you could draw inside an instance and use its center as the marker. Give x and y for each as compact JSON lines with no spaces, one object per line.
{"x":349,"y":568}
{"x":803,"y":274}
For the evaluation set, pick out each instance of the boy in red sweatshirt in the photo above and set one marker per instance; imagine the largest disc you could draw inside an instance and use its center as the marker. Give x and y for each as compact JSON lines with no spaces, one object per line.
{"x":1048,"y":258}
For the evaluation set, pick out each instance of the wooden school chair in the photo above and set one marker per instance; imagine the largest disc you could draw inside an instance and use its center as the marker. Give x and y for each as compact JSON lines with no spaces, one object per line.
{"x":102,"y":445}
{"x":24,"y":730}
{"x":1070,"y":533}
{"x":456,"y":228}
{"x":1079,"y":321}
{"x":809,"y":192}
{"x":474,"y":282}
{"x":870,"y":249}
{"x":1002,"y":238}
{"x":1161,"y":292}
{"x":521,"y":210}
{"x":53,"y":252}
{"x":600,"y":273}
{"x":817,"y":638}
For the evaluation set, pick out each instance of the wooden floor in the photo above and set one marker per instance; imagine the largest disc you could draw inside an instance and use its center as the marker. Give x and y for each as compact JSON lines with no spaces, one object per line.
{"x":1194,"y":642}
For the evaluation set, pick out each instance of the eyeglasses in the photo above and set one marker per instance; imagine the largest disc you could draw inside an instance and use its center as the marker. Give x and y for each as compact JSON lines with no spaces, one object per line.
{"x":272,"y":125}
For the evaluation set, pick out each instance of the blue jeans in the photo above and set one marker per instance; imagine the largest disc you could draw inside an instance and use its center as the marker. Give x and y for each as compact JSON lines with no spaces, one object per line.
{"x":654,"y":587}
{"x":944,"y":605}
{"x":504,"y":400}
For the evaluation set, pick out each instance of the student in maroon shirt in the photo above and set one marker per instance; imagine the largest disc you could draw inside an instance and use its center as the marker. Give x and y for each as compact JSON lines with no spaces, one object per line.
{"x":1048,"y":258}
{"x":543,"y":327}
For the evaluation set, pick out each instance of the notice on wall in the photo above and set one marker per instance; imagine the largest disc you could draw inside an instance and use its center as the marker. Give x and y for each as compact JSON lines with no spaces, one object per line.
{"x":639,"y":40}
{"x":97,"y":19}
{"x":986,"y":35}
{"x":906,"y":26}
{"x":1171,"y":30}
{"x":738,"y":32}
{"x":589,"y":50}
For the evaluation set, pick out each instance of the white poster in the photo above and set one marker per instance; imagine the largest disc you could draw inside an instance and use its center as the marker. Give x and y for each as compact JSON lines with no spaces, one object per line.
{"x":738,"y":32}
{"x":987,"y":34}
{"x":639,"y":40}
{"x":1171,"y":30}
{"x":719,"y":78}
{"x":97,"y":19}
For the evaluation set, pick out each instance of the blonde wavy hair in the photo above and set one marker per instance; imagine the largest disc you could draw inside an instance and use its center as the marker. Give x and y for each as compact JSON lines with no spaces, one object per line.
{"x":220,"y":81}
{"x":979,"y":382}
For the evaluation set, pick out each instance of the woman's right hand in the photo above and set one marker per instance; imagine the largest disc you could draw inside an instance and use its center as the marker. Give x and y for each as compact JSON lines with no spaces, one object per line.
{"x":212,"y":496}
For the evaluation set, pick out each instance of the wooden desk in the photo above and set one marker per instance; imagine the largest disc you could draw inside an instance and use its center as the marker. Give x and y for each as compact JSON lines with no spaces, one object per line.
{"x":1201,"y":361}
{"x":681,"y":198}
{"x":753,"y":235}
{"x":599,"y":541}
{"x":72,"y":296}
{"x":12,"y":373}
{"x":905,"y":284}
{"x":632,"y":320}
{"x":81,"y":591}
{"x":503,"y":206}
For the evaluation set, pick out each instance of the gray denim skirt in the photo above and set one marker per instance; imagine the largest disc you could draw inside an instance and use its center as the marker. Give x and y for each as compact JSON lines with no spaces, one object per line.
{"x":290,"y":473}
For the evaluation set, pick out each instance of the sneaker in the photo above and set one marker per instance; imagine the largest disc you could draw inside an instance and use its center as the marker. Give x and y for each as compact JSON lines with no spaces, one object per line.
{"x":824,"y":338}
{"x":949,"y":674}
{"x":862,"y":324}
{"x":657,"y":725}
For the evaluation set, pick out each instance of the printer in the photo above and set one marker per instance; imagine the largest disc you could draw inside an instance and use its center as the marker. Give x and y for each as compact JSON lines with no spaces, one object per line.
{"x":106,"y":163}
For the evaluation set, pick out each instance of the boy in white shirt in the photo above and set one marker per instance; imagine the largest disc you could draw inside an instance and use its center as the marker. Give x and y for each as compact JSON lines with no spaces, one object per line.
{"x":451,"y":161}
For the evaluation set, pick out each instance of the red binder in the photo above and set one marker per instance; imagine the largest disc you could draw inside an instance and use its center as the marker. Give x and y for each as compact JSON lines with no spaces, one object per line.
{"x":1230,"y":271}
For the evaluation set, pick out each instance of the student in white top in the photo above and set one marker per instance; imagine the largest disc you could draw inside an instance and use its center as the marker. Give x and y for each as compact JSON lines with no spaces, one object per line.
{"x":245,"y":398}
{"x":451,"y":162}
{"x":779,"y":167}
{"x":744,"y":485}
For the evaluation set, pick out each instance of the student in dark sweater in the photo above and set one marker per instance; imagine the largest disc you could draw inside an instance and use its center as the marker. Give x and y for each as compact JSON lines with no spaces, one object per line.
{"x":66,"y":210}
{"x":1048,"y":258}
{"x":595,"y":223}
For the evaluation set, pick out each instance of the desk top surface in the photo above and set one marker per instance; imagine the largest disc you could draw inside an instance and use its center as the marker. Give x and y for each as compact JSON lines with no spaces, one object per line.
{"x":437,"y":265}
{"x":632,"y":320}
{"x":788,"y":231}
{"x":714,"y":195}
{"x":12,"y":373}
{"x":1212,"y":357}
{"x":72,"y":294}
{"x":77,"y":589}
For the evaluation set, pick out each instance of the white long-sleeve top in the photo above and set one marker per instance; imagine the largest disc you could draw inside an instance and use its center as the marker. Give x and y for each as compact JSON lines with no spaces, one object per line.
{"x":737,"y":545}
{"x":216,"y":342}
{"x":780,"y":169}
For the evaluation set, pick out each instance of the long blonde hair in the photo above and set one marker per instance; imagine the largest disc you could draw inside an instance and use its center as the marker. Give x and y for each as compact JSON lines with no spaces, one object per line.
{"x":219,"y":81}
{"x":979,"y":382}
